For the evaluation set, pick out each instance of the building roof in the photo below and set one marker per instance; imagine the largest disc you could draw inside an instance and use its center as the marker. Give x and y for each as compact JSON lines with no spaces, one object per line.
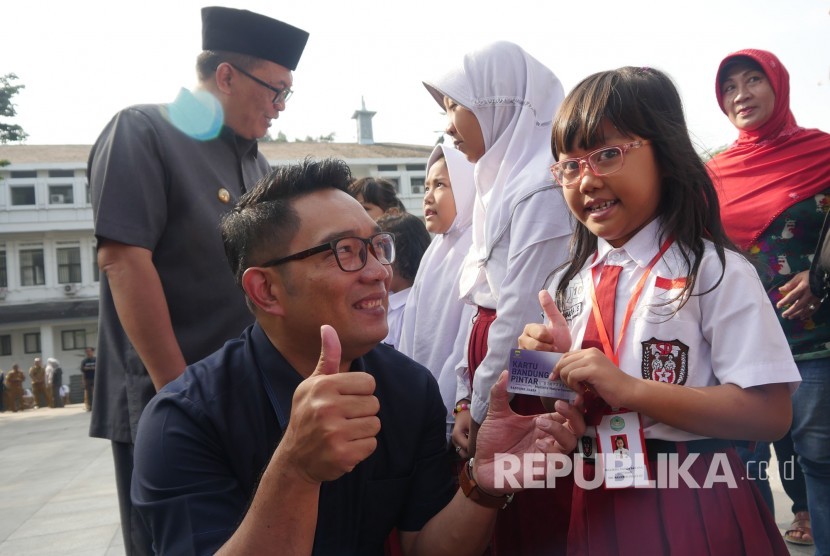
{"x":48,"y":311}
{"x":45,"y":154}
{"x":56,"y":155}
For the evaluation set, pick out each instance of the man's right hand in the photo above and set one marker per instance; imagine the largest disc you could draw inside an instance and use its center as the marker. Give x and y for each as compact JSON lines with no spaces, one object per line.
{"x":334,"y":420}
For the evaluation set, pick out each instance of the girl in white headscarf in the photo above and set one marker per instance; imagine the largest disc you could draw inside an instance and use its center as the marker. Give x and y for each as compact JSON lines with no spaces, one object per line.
{"x":500,"y":103}
{"x":521,"y":226}
{"x":435,"y":321}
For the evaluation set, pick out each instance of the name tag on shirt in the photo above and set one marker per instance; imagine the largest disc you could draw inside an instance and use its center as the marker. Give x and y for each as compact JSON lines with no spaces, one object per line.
{"x":624,"y":458}
{"x":529,"y":372}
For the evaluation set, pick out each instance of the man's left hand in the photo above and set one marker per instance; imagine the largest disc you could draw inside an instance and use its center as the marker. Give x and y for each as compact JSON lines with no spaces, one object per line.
{"x":505,"y":432}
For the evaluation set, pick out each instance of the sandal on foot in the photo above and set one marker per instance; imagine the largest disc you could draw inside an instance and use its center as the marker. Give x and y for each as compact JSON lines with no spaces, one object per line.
{"x":800,"y":531}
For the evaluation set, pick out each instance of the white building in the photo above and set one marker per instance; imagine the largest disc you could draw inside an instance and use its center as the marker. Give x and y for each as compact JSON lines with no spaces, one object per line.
{"x":48,"y":267}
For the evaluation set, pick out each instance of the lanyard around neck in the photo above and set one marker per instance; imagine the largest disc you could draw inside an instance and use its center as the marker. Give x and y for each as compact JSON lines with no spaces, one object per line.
{"x":611,"y":351}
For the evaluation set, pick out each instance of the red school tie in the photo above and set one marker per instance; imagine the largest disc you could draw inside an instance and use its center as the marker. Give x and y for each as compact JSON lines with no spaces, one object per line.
{"x":606,"y":298}
{"x":606,"y":293}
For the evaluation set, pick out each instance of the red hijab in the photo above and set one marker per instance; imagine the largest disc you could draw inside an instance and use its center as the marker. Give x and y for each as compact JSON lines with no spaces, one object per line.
{"x":769,"y":169}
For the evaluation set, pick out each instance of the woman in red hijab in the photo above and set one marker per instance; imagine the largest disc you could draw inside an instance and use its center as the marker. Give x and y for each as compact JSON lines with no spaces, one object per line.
{"x":774,"y":187}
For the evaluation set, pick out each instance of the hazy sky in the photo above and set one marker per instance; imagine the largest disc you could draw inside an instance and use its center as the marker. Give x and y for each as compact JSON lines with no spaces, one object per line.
{"x":82,"y":61}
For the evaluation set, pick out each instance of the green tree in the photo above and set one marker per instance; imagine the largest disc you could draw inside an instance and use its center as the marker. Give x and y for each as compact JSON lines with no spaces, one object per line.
{"x":281,"y":138}
{"x":9,"y":133}
{"x":320,"y":139}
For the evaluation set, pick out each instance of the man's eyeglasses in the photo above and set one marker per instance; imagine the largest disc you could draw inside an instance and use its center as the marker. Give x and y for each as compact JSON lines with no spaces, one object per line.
{"x":607,"y":160}
{"x":279,"y":94}
{"x":351,"y":252}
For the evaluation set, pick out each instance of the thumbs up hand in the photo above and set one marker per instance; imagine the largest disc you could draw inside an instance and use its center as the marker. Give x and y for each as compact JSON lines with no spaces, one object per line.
{"x":334,"y":420}
{"x":552,"y":336}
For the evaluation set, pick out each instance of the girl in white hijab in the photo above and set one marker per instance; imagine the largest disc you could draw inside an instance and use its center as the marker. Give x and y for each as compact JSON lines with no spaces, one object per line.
{"x":500,"y":103}
{"x":435,"y":321}
{"x":521,"y":225}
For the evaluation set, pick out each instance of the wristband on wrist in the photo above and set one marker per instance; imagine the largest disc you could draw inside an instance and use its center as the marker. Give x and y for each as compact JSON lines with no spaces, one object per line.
{"x":461,"y":406}
{"x":474,"y":492}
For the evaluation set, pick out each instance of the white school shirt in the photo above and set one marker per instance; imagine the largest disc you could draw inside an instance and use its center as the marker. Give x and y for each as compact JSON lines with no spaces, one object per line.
{"x":727,"y":336}
{"x":515,"y":275}
{"x":394,"y":317}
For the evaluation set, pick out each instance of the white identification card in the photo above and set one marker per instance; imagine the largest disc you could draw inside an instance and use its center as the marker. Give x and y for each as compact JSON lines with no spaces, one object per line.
{"x":529,"y":372}
{"x":621,"y":444}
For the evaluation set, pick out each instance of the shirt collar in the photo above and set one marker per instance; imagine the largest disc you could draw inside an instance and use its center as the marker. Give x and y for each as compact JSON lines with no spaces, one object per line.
{"x":641,"y":248}
{"x":279,"y":377}
{"x":242,"y":146}
{"x":398,"y":299}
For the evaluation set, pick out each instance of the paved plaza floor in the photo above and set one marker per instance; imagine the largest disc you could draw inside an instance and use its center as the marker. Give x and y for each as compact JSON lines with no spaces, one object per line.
{"x":57,"y":492}
{"x":57,"y":495}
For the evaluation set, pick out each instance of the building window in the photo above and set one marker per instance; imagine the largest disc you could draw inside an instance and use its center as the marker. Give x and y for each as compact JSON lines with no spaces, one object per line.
{"x":23,"y":195}
{"x":95,"y":270}
{"x":31,"y":342}
{"x":31,"y":268}
{"x":73,"y":339}
{"x":69,"y":265}
{"x":24,"y":174}
{"x":417,"y":185}
{"x":415,"y":167}
{"x":5,"y":344}
{"x":388,"y":168}
{"x":4,"y":276}
{"x":61,"y":173}
{"x":88,"y":193}
{"x":61,"y":195}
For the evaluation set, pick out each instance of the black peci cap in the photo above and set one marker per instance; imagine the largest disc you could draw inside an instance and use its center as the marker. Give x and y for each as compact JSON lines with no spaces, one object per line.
{"x":253,"y":34}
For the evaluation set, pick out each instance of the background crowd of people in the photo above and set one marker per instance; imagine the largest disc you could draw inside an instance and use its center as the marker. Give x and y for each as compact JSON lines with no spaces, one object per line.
{"x":47,"y":385}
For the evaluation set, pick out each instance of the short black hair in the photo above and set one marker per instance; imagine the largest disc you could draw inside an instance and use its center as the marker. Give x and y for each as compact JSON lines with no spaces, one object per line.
{"x":264,"y":221}
{"x":411,"y":241}
{"x":377,"y":191}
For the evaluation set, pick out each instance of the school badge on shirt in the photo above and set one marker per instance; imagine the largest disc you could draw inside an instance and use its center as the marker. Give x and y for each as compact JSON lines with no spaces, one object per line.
{"x":574,"y":295}
{"x":665,"y":361}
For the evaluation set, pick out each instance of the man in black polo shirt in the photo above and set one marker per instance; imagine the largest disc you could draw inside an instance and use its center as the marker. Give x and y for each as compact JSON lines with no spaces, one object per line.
{"x":305,"y":434}
{"x":161,"y":178}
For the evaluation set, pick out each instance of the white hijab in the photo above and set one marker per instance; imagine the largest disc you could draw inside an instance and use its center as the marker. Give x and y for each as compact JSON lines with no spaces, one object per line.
{"x":435,"y":315}
{"x":513,"y":97}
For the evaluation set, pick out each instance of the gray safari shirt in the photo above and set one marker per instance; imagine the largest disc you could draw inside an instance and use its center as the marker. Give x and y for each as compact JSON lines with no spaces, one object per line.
{"x":155,"y":187}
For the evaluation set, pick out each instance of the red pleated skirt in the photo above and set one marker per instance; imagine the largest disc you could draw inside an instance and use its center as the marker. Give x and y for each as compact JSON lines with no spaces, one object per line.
{"x":675,"y":521}
{"x":536,"y":522}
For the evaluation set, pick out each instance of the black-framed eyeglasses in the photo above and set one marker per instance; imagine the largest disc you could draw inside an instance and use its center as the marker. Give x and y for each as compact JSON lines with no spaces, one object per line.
{"x":607,"y":160}
{"x":351,"y":252}
{"x":279,"y":94}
